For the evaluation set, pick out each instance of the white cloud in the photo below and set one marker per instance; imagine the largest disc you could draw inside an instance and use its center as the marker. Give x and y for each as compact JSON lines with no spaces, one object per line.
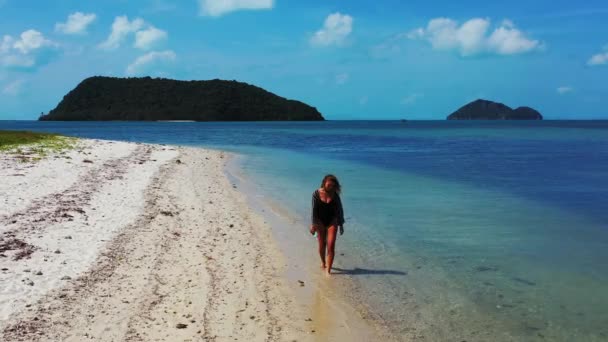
{"x":336,"y":29}
{"x":216,"y":8}
{"x":19,"y":61}
{"x":161,"y":6}
{"x":143,"y":63}
{"x":342,"y":78}
{"x":508,"y":23}
{"x":14,"y":88}
{"x":121,"y":28}
{"x":21,"y":52}
{"x":6,"y":45}
{"x":509,"y":41}
{"x":411,"y":99}
{"x":472,"y":37}
{"x":564,"y":90}
{"x":444,"y":34}
{"x":77,"y":23}
{"x":416,"y":33}
{"x":148,"y":38}
{"x":599,"y":58}
{"x":31,"y":40}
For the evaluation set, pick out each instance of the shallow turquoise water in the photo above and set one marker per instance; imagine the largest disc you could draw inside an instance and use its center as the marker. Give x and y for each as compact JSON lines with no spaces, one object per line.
{"x":444,"y":260}
{"x":471,"y":231}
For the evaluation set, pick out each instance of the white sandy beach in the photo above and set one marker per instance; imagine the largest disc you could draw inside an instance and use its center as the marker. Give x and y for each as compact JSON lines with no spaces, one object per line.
{"x":118,"y":241}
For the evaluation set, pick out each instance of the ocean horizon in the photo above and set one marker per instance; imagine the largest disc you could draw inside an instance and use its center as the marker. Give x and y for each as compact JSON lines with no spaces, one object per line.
{"x":455,"y":230}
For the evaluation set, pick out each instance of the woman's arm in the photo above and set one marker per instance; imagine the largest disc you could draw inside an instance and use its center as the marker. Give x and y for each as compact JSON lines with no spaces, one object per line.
{"x":314,"y":216}
{"x":340,"y":212}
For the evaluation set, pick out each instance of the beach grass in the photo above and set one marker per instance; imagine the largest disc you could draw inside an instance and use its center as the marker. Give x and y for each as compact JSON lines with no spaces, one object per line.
{"x":34,"y":146}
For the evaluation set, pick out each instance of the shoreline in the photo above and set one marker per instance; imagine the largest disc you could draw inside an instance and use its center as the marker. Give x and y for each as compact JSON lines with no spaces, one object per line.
{"x":143,"y":242}
{"x":322,"y":295}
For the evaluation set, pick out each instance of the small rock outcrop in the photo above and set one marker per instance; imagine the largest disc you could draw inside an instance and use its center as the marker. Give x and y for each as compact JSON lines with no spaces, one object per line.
{"x":489,"y":110}
{"x":526,"y":113}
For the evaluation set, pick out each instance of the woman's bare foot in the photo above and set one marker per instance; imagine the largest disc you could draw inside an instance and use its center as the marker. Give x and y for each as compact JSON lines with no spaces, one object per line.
{"x":323,"y":266}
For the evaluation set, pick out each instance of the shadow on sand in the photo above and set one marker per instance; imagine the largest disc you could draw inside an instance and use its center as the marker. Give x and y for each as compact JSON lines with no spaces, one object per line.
{"x":363,"y":271}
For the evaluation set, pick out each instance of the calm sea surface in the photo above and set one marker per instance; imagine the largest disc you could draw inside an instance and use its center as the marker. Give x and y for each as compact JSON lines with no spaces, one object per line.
{"x":476,"y":231}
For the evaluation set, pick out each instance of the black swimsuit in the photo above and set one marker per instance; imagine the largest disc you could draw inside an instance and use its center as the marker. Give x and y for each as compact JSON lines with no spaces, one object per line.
{"x":327,"y":212}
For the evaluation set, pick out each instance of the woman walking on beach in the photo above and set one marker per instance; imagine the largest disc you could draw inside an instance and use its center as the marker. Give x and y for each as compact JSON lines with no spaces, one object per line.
{"x":327,"y":217}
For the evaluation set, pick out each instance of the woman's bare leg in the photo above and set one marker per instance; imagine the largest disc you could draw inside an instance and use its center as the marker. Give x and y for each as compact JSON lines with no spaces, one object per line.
{"x":331,"y":247}
{"x":322,"y":239}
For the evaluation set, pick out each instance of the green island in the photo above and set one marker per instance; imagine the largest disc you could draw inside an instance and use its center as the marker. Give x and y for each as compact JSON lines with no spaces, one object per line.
{"x":160,"y":99}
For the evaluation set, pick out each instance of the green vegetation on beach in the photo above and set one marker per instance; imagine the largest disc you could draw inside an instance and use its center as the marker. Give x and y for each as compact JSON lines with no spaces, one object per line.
{"x":9,"y":139}
{"x":31,"y":145}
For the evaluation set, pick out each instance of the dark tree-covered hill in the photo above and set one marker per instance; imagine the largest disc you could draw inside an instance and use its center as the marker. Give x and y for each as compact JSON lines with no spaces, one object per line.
{"x":488,"y":110}
{"x":149,"y":99}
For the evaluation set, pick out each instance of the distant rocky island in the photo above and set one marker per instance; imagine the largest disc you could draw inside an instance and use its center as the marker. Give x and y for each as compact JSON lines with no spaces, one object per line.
{"x":488,"y":110}
{"x":157,"y":99}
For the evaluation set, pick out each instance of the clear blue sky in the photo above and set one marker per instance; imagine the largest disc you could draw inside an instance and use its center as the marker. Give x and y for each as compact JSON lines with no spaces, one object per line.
{"x":350,"y":59}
